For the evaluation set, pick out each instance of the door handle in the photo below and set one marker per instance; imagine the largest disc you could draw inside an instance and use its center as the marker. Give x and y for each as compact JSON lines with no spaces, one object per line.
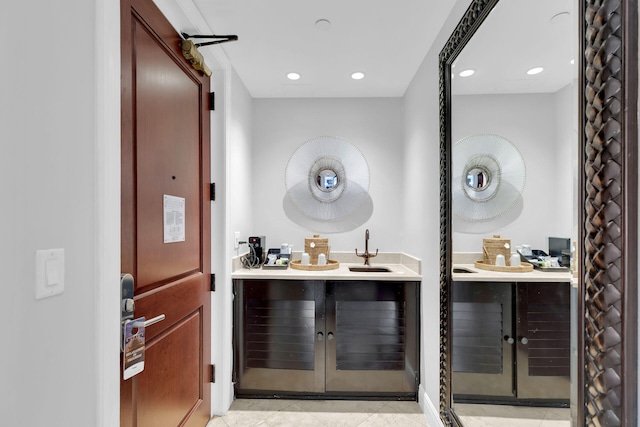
{"x":330,"y":336}
{"x":509,"y":339}
{"x":320,"y":336}
{"x":523,"y":340}
{"x":149,"y":322}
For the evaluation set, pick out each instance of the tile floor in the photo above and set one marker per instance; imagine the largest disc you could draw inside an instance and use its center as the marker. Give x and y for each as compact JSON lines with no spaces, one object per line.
{"x":320,"y":413}
{"x":473,"y":415}
{"x":346,"y":413}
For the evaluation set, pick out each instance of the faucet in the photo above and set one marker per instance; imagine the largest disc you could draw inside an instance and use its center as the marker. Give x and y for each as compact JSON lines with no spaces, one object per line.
{"x":366,"y":255}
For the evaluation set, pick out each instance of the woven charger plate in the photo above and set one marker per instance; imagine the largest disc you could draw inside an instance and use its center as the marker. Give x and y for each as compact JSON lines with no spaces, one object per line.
{"x":524,"y":267}
{"x":330,"y":265}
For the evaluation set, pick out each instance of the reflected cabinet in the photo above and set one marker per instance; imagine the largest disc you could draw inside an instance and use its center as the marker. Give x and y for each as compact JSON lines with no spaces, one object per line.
{"x":511,"y":342}
{"x":326,"y":338}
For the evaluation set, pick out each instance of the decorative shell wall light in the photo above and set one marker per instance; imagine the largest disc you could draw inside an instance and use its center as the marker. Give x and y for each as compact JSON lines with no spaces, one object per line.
{"x":488,"y":177}
{"x":327,"y":186}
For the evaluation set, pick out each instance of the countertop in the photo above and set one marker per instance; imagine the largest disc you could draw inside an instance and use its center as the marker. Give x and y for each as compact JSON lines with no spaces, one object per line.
{"x":466,"y":260}
{"x":403,"y":268}
{"x":480,"y":275}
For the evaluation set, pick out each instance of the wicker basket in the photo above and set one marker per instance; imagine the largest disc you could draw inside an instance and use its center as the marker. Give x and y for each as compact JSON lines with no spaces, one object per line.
{"x":492,"y":247}
{"x":315,"y":246}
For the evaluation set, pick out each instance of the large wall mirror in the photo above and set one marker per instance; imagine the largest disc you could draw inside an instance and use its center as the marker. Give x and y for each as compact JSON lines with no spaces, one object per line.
{"x":590,"y":152}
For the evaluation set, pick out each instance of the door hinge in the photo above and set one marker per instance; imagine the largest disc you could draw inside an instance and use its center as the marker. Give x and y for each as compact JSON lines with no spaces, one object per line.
{"x":212,"y":191}
{"x":213,"y":373}
{"x":213,"y":283}
{"x":212,"y":101}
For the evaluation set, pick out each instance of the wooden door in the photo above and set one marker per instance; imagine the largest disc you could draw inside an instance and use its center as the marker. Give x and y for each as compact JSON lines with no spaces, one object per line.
{"x":544,"y":340}
{"x":372,"y":336}
{"x":483,"y":340}
{"x":279,"y":337}
{"x":165,"y":152}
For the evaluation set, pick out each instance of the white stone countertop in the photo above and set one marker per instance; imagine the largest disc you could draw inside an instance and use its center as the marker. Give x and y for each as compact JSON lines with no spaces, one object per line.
{"x":403,"y":268}
{"x":480,"y":275}
{"x":466,"y":261}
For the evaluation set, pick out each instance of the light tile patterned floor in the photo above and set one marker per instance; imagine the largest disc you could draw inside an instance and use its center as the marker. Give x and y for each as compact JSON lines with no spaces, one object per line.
{"x":473,"y":415}
{"x":320,"y":413}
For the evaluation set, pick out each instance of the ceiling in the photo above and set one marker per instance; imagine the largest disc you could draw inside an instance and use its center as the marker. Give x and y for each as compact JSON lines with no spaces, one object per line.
{"x":386,"y":40}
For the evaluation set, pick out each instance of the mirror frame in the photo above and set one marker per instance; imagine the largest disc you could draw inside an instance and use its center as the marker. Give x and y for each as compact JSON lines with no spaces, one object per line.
{"x":607,"y":224}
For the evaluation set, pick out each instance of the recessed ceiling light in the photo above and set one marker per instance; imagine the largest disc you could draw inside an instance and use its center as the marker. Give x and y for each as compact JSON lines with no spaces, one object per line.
{"x":467,"y":73}
{"x":323,"y":24}
{"x":535,"y":70}
{"x":357,"y":75}
{"x":293,"y":76}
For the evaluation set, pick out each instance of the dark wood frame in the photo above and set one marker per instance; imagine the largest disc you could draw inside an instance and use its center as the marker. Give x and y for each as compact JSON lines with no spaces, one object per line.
{"x":608,"y":170}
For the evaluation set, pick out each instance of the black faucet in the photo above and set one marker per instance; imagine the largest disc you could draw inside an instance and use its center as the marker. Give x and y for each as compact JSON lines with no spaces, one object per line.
{"x":366,"y":255}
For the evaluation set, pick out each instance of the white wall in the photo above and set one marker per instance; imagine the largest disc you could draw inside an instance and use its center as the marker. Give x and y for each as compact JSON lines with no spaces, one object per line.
{"x":541,"y":127}
{"x":373,"y":125}
{"x":49,"y":361}
{"x":233,"y":200}
{"x":421,"y":208}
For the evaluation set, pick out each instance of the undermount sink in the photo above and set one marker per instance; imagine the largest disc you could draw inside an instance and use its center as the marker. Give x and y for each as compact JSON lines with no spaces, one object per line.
{"x":462,"y":270}
{"x":369,"y":269}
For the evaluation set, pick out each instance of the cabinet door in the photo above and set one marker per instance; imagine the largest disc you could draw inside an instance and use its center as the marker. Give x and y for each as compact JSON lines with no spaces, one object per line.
{"x":372,"y":337}
{"x":482,"y":339}
{"x":544,"y":340}
{"x":279,"y":333}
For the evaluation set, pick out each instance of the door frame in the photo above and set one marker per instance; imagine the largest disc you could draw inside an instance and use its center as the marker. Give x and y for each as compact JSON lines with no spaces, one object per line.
{"x":107,"y":233}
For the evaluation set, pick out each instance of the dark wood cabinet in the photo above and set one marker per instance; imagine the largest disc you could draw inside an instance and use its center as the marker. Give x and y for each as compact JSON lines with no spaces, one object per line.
{"x":326,"y":338}
{"x":511,"y":341}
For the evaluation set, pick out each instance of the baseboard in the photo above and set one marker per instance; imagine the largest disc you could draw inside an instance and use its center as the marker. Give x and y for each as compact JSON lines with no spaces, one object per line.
{"x":430,"y":411}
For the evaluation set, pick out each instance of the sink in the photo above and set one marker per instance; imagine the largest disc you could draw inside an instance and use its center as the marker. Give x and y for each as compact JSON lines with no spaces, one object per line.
{"x":369,"y":269}
{"x":462,"y":270}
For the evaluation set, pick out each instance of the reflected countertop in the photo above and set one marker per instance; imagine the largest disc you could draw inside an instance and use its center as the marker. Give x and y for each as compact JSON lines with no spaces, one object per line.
{"x":480,"y":275}
{"x":403,"y":267}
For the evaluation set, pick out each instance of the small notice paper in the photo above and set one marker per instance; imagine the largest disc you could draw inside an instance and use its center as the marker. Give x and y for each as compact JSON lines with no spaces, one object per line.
{"x":174,"y":219}
{"x":133,"y":359}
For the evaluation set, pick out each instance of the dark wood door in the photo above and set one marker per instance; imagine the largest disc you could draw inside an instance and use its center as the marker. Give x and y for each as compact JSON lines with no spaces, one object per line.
{"x":372,"y":338}
{"x":279,"y":333}
{"x":544,"y":340}
{"x":483,"y":340}
{"x":165,"y":152}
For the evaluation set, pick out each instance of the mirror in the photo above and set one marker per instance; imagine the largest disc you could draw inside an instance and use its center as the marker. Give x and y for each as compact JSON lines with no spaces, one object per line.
{"x":327,"y":183}
{"x":478,"y":179}
{"x":495,"y":110}
{"x":327,"y":180}
{"x":606,"y":389}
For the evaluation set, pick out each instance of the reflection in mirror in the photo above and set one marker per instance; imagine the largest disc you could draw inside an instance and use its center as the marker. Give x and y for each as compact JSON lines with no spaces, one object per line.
{"x":498,"y":364}
{"x":478,"y":178}
{"x":327,"y":180}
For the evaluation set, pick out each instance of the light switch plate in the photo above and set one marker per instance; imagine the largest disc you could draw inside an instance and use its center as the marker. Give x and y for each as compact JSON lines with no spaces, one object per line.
{"x":49,"y":272}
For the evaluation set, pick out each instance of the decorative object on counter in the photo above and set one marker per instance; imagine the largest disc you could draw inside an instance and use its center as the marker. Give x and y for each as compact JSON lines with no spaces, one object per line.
{"x":515,"y":260}
{"x":315,"y":256}
{"x":315,"y":246}
{"x":330,"y":265}
{"x":366,"y":255}
{"x":488,"y":177}
{"x":492,"y":247}
{"x":500,"y":261}
{"x":524,"y":267}
{"x":276,"y":259}
{"x":322,"y":259}
{"x":327,"y":184}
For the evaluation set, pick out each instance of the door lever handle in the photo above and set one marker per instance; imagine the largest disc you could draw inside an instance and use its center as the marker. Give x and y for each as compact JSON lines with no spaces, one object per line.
{"x":149,"y":322}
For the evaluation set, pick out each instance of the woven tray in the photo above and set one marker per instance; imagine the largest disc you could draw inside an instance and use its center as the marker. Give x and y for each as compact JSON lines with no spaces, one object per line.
{"x":330,"y":265}
{"x":524,"y":267}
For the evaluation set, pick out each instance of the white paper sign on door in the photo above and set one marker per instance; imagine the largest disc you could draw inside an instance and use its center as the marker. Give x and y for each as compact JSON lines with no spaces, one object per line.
{"x":174,"y":226}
